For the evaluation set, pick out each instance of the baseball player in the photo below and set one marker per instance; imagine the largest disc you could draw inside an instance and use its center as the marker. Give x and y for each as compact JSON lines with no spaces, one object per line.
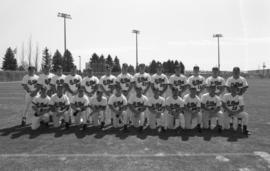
{"x":29,"y":84}
{"x":118,"y":105}
{"x":41,"y":107}
{"x":59,"y":106}
{"x":72,"y":81}
{"x":211,"y":109}
{"x":233,"y":105}
{"x":156,"y":106}
{"x":159,"y":81}
{"x":98,"y":105}
{"x":238,"y":81}
{"x":58,"y":79}
{"x":196,"y":80}
{"x":216,"y":81}
{"x":192,"y":109}
{"x":125,"y":79}
{"x":175,"y":107}
{"x":107,"y":83}
{"x":178,"y":81}
{"x":79,"y":104}
{"x":45,"y":79}
{"x":137,"y":104}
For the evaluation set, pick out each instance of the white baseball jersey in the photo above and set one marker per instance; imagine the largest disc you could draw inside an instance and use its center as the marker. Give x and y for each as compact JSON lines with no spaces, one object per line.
{"x":197,"y":82}
{"x":141,"y":80}
{"x":192,"y":103}
{"x":240,"y":82}
{"x":59,"y":102}
{"x":79,"y":101}
{"x":124,"y":80}
{"x":178,"y":81}
{"x":89,"y":83}
{"x":211,"y":102}
{"x":159,"y":81}
{"x":218,"y":82}
{"x":30,"y":81}
{"x":233,"y":103}
{"x":73,"y":81}
{"x":102,"y":104}
{"x":107,"y":82}
{"x":174,"y":104}
{"x":157,"y":104}
{"x":58,"y":80}
{"x":138,"y":102}
{"x":45,"y":80}
{"x":118,"y":102}
{"x":40,"y":102}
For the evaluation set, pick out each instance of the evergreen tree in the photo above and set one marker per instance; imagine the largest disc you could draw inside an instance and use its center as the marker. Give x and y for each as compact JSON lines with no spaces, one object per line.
{"x":101,"y":59}
{"x":131,"y":69}
{"x":94,"y":58}
{"x":182,"y":68}
{"x":116,"y":65}
{"x":109,"y":60}
{"x":67,"y":61}
{"x":9,"y":61}
{"x":57,"y":60}
{"x":46,"y":58}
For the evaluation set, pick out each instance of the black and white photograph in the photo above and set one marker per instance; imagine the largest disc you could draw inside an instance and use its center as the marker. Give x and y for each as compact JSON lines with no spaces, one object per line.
{"x":135,"y":85}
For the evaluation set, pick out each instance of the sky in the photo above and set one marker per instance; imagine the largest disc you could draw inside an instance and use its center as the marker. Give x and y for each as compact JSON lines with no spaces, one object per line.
{"x":169,"y":29}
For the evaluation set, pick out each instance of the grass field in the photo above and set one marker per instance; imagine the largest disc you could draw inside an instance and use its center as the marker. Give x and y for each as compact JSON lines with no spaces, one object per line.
{"x":54,"y":149}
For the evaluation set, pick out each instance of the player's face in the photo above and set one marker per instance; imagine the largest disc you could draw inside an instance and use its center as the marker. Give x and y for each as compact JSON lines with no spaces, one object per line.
{"x":73,"y":71}
{"x":43,"y":92}
{"x":196,"y":71}
{"x":118,"y":91}
{"x":192,"y":92}
{"x":108,"y":71}
{"x":175,"y":93}
{"x":215,"y":73}
{"x":31,"y":71}
{"x":46,"y":70}
{"x":177,"y":71}
{"x":159,"y":70}
{"x":236,"y":74}
{"x":142,"y":69}
{"x":139,"y":91}
{"x":59,"y":71}
{"x":60,"y":91}
{"x":124,"y":68}
{"x":80,"y":92}
{"x":89,"y":73}
{"x":99,"y":94}
{"x":212,"y":91}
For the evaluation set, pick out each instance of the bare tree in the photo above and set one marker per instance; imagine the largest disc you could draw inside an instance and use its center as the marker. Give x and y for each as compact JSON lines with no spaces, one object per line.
{"x":37,"y":57}
{"x":22,"y":55}
{"x":30,"y":51}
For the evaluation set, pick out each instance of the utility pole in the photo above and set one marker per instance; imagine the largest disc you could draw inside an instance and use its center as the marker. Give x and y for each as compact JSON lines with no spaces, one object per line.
{"x":80,"y":63}
{"x":218,"y":36}
{"x":65,"y":16}
{"x":136,"y":33}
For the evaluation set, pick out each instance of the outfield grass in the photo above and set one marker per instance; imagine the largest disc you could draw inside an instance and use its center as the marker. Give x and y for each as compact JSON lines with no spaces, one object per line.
{"x":52,"y":149}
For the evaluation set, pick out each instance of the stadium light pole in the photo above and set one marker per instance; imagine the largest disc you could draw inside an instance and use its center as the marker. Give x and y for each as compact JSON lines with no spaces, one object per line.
{"x":218,"y":36}
{"x":136,"y":33}
{"x":65,"y":16}
{"x":80,"y":63}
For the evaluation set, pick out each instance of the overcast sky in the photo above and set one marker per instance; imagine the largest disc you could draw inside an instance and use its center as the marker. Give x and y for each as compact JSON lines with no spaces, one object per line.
{"x":170,"y":29}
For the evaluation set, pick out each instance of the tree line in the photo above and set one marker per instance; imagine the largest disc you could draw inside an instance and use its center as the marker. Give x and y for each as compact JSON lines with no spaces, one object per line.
{"x":66,"y":61}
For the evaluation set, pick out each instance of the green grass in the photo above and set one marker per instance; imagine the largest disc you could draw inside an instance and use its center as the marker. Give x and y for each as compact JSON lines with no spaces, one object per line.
{"x":133,"y":151}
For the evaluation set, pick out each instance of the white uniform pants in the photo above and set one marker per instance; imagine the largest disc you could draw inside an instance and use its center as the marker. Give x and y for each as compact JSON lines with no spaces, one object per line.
{"x":191,"y":120}
{"x":227,"y":119}
{"x":27,"y":105}
{"x":37,"y":119}
{"x":213,"y":117}
{"x":137,"y":119}
{"x":123,"y":119}
{"x":57,"y":118}
{"x":174,"y":122}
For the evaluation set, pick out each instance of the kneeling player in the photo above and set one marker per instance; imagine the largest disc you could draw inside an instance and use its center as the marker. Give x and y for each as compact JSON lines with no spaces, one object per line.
{"x":156,"y":105}
{"x":98,"y":104}
{"x":233,"y":105}
{"x":41,"y":107}
{"x":211,"y":108}
{"x":175,"y":108}
{"x":59,"y":107}
{"x":192,"y":105}
{"x":79,"y":104}
{"x":137,"y":104}
{"x":118,"y":105}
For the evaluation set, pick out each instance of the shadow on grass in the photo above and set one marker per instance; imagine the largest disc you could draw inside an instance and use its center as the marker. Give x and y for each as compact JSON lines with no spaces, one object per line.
{"x":18,"y":131}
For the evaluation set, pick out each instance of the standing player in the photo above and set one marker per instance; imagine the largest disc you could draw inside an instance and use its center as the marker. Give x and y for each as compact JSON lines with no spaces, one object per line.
{"x":59,"y":106}
{"x":107,"y":83}
{"x":79,"y":103}
{"x":217,"y":81}
{"x":137,"y":104}
{"x":175,"y":107}
{"x":233,"y":105}
{"x":45,"y":79}
{"x":196,"y":80}
{"x":90,"y":85}
{"x":211,"y":109}
{"x":72,"y":82}
{"x":125,"y":79}
{"x":192,"y":106}
{"x":118,"y":106}
{"x":238,"y":81}
{"x":41,"y":106}
{"x":178,"y":81}
{"x":98,"y":105}
{"x":58,"y":79}
{"x":29,"y":84}
{"x":142,"y":80}
{"x":156,"y":105}
{"x":159,"y":81}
